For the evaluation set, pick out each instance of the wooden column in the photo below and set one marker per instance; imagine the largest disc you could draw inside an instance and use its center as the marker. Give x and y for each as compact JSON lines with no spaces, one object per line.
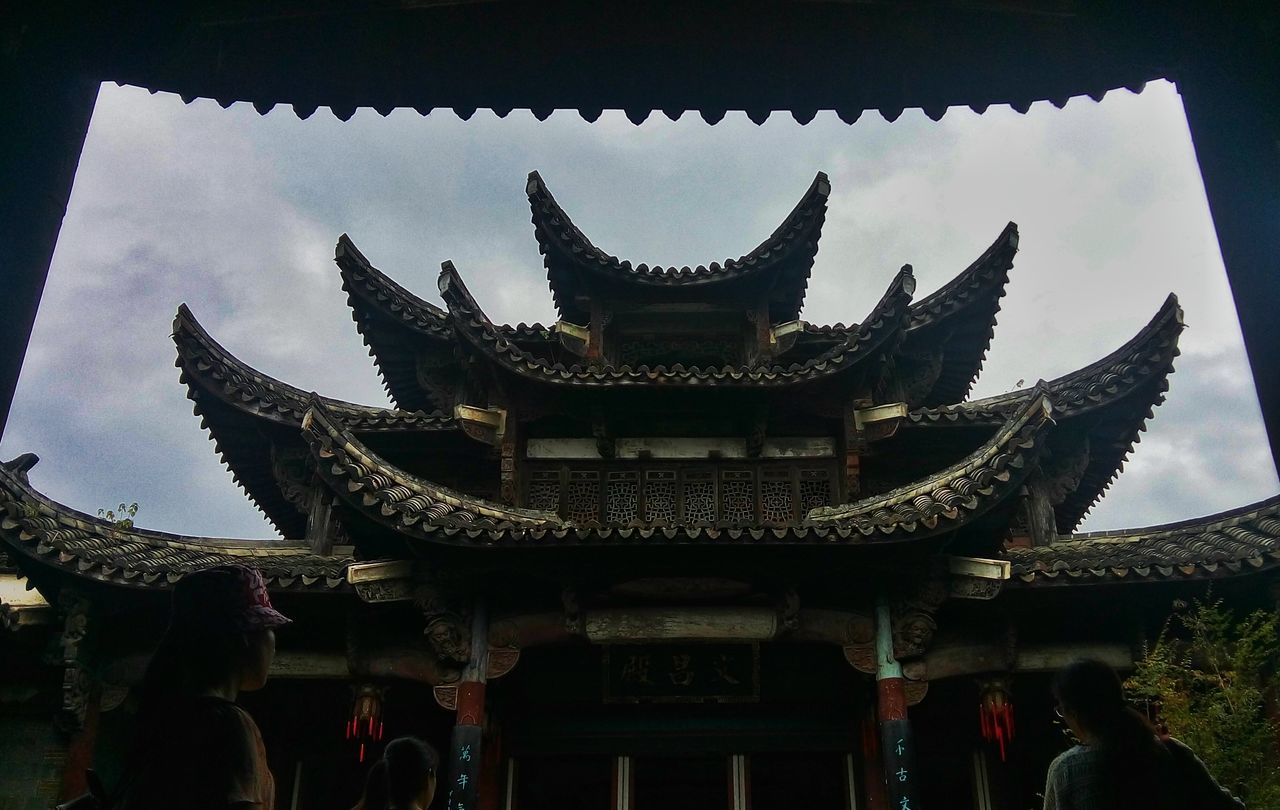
{"x":466,"y":752}
{"x":45,"y":118}
{"x":80,"y":748}
{"x":897,"y":742}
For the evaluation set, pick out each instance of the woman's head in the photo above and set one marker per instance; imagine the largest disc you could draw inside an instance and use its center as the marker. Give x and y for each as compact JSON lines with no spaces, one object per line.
{"x":405,"y":777}
{"x":221,"y":633}
{"x":1091,"y":700}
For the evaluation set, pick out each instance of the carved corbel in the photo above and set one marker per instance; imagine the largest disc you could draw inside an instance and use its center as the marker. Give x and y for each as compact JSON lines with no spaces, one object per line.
{"x":575,"y":339}
{"x":447,"y":626}
{"x":606,"y":446}
{"x":783,"y":336}
{"x":293,"y":471}
{"x":977,"y":578}
{"x":487,"y":425}
{"x":77,"y":686}
{"x":383,"y":581}
{"x":918,"y":373}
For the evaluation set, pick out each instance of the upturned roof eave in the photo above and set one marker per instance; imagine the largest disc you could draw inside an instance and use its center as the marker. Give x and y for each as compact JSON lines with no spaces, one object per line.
{"x":394,"y":324}
{"x":1238,"y":542}
{"x":236,"y":403}
{"x":569,"y":256}
{"x":42,"y":532}
{"x":882,"y":327}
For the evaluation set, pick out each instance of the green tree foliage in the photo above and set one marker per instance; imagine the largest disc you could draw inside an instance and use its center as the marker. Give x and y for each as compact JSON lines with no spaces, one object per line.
{"x":122,"y":515}
{"x":1211,"y":673}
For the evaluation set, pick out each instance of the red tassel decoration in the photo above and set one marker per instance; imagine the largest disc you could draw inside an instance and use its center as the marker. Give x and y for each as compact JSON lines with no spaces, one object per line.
{"x":995,"y":714}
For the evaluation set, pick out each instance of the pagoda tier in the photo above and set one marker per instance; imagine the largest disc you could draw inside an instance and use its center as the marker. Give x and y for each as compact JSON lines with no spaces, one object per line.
{"x":417,"y":508}
{"x":853,"y":351}
{"x":709,"y":319}
{"x":42,"y":535}
{"x":254,"y":421}
{"x":1101,"y":408}
{"x":52,"y":543}
{"x":778,"y":268}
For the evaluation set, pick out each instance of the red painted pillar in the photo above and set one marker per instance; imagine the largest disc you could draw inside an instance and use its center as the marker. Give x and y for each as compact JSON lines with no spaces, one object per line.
{"x":897,"y":742}
{"x":81,"y":748}
{"x":466,"y":752}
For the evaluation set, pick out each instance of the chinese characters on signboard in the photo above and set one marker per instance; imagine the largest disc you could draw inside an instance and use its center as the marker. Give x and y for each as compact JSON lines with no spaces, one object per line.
{"x":687,"y":673}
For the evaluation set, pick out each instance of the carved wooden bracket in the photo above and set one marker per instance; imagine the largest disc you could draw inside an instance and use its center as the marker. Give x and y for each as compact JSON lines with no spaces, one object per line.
{"x":977,"y":578}
{"x":487,"y":425}
{"x":576,"y":339}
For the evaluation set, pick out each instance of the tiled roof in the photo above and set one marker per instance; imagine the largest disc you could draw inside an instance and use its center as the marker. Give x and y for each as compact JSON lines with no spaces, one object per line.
{"x":396,"y":325}
{"x":883,"y":325}
{"x":961,"y":316}
{"x":1240,"y":541}
{"x":789,"y":251}
{"x":37,"y":530}
{"x":1113,"y":398}
{"x":409,"y":503}
{"x":418,"y":508}
{"x":952,"y":496}
{"x":238,"y":404}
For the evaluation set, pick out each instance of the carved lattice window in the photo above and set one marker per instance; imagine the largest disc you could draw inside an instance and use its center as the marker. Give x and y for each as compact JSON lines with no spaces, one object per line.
{"x":815,"y":490}
{"x":544,"y":490}
{"x":583,"y":501}
{"x":699,"y":497}
{"x":622,"y":497}
{"x":775,"y":497}
{"x":737,"y":498}
{"x":660,"y":496}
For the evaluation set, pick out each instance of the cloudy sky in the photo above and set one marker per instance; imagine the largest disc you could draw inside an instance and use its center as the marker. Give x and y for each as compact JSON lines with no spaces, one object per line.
{"x":237,"y":214}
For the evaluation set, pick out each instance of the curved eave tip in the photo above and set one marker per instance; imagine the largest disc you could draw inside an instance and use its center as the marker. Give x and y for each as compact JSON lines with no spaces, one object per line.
{"x":1171,"y":306}
{"x":448,"y":277}
{"x":534,"y":183}
{"x":822,"y":185}
{"x":21,"y":465}
{"x":907,"y":278}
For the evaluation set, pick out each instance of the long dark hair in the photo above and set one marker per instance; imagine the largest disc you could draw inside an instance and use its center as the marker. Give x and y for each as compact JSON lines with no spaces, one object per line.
{"x":1132,"y":755}
{"x":398,"y":778}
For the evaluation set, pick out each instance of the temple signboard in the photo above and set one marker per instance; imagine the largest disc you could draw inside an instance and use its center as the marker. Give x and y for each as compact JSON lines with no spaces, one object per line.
{"x":682,"y":673}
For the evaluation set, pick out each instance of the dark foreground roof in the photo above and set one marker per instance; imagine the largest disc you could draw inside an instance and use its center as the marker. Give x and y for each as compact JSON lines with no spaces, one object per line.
{"x":36,"y":530}
{"x":1240,"y":541}
{"x":642,"y":58}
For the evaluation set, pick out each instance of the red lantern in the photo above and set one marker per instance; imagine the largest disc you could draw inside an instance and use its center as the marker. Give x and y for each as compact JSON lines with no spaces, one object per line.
{"x":365,"y":725}
{"x":995,"y":712}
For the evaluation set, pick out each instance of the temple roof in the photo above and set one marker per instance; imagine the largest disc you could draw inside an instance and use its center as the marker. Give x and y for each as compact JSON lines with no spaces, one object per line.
{"x":883,"y":325}
{"x":409,"y":503}
{"x":960,"y":318}
{"x":1239,"y":541}
{"x":237,"y":404}
{"x":397,"y":326}
{"x":419,"y":508}
{"x":781,"y":263}
{"x":34,"y":528}
{"x":949,"y":331}
{"x":960,"y":492}
{"x":1112,"y":398}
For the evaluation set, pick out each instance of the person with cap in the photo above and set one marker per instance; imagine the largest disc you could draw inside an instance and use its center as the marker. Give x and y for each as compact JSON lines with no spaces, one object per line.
{"x":196,"y":748}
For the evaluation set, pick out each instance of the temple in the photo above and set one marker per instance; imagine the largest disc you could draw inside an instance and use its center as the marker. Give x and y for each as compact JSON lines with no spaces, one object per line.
{"x":679,"y":549}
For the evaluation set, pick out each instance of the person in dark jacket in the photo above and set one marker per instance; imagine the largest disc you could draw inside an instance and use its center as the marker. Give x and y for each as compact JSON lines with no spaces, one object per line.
{"x":196,"y":748}
{"x":1121,"y":762}
{"x":403,"y":779}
